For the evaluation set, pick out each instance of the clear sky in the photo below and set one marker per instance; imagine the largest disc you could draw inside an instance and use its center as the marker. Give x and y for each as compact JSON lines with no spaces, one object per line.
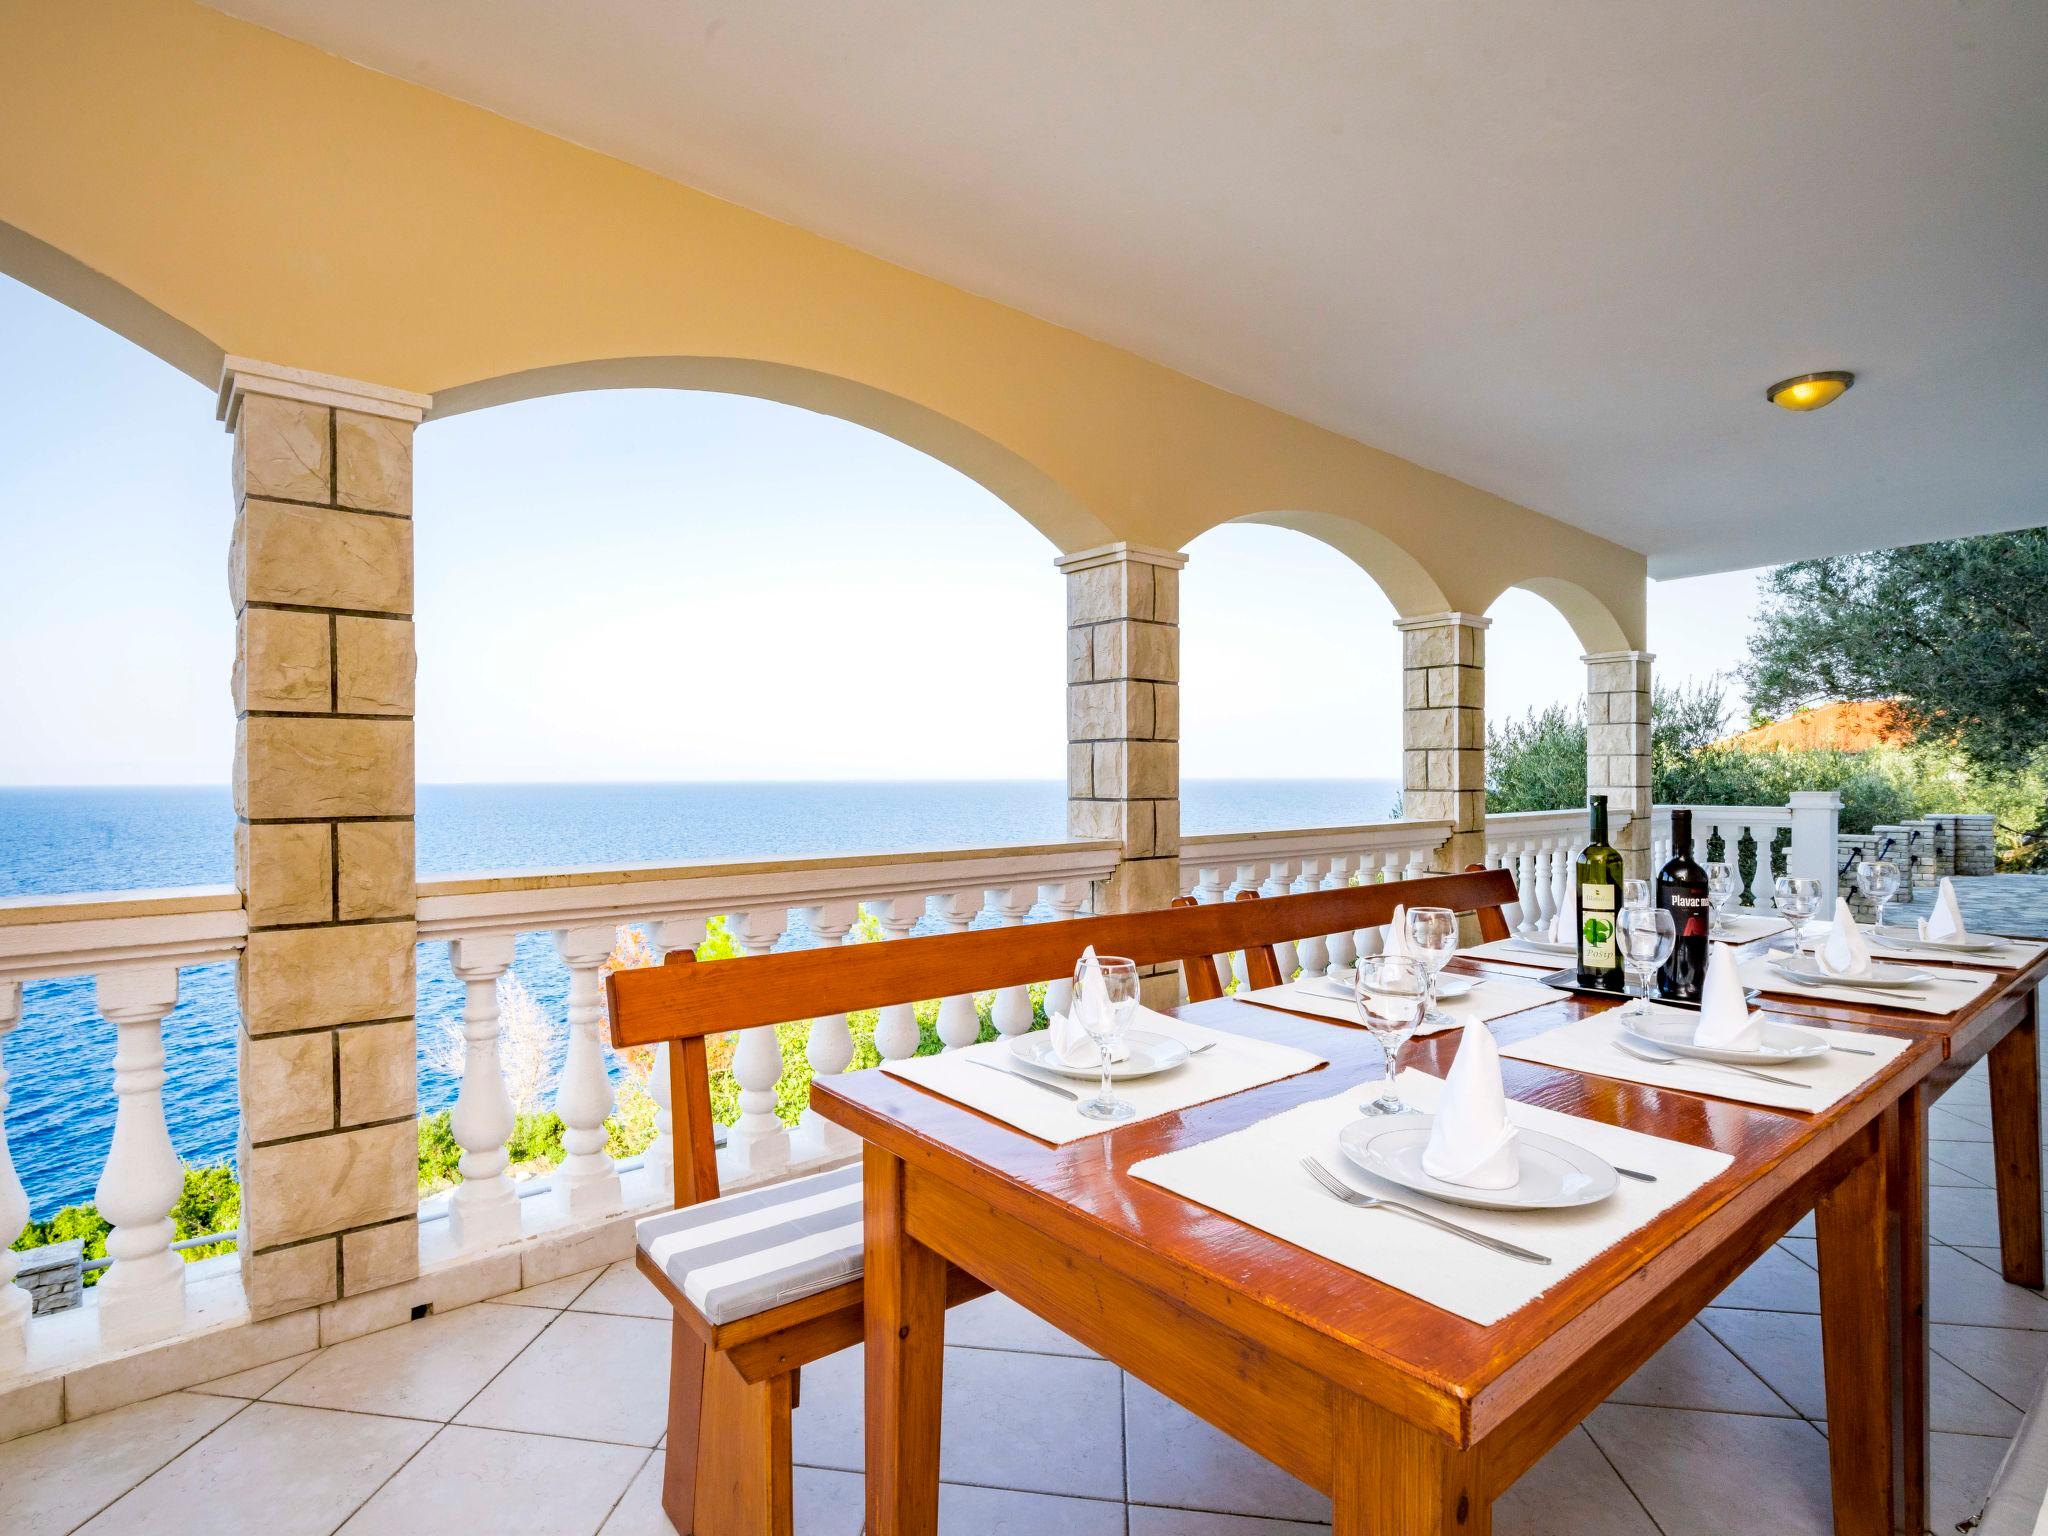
{"x":657,"y":585}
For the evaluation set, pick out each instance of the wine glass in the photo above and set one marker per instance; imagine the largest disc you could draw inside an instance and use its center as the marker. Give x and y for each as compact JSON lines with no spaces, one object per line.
{"x":1878,"y":880}
{"x":1433,"y":937}
{"x":1393,"y":994}
{"x":1105,"y":1027}
{"x":1645,"y":936}
{"x":1635,"y":893}
{"x":1723,"y":885}
{"x":1797,"y":898}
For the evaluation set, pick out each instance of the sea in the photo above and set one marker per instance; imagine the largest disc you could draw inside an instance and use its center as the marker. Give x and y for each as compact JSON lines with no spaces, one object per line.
{"x":59,"y":1100}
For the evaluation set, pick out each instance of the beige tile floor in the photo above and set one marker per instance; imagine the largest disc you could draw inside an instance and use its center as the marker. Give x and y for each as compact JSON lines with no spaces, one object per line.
{"x":542,"y":1411}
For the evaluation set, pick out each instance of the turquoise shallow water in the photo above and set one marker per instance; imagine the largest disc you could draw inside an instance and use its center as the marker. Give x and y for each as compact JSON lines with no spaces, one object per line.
{"x":57,"y":840}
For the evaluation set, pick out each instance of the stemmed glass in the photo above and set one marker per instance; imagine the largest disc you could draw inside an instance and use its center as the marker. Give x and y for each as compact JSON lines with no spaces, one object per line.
{"x":1433,"y":936}
{"x":1722,"y":887}
{"x":1105,"y":1027}
{"x":1878,"y":880}
{"x":1646,"y":936}
{"x":1393,"y":994}
{"x":1797,"y":898}
{"x":1635,"y":893}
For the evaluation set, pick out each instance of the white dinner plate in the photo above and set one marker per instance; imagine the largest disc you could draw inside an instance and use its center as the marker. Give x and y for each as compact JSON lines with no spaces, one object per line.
{"x":1968,"y":944}
{"x":1781,"y":1042}
{"x":1555,"y":1175}
{"x":1544,"y":946}
{"x":1149,"y":1053}
{"x":1880,"y":974}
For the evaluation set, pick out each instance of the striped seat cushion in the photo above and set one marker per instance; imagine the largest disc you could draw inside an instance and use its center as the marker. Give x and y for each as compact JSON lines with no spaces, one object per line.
{"x":741,"y":1254}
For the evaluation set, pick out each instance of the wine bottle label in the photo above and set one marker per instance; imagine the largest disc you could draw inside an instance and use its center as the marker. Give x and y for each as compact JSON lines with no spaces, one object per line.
{"x":1596,"y":927}
{"x":1691,"y":913}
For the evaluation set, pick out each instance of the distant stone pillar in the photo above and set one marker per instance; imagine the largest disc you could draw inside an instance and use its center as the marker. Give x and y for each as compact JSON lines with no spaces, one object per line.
{"x":321,"y":573}
{"x":1618,"y":750}
{"x":1443,"y":729}
{"x":1123,"y":725}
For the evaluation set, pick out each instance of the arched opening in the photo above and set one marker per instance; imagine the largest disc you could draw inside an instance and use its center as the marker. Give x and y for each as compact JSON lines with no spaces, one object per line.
{"x":115,"y":755}
{"x":1290,"y":681}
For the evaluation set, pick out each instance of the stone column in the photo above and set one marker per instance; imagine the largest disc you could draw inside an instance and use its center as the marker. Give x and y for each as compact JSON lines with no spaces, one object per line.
{"x":1618,"y":749}
{"x":1443,"y":729}
{"x":1123,"y":724}
{"x":321,"y":575}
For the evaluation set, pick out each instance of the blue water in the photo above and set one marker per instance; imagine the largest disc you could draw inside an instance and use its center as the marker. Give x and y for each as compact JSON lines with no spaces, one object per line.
{"x":52,"y":841}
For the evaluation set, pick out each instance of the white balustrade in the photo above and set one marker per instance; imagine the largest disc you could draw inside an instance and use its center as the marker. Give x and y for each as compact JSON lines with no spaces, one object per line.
{"x":896,"y":1032}
{"x":759,"y":1137}
{"x":830,"y":1046}
{"x":142,"y":1294}
{"x":1312,"y":954}
{"x":484,"y":1209}
{"x":586,"y":1183}
{"x":670,"y":936}
{"x":15,"y":1303}
{"x":1065,"y":900}
{"x":1011,"y":1014}
{"x":959,"y":1019}
{"x":1279,"y":881}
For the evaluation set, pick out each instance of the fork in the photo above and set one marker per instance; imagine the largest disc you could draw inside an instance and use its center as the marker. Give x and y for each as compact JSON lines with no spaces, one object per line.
{"x":1723,"y":1066}
{"x":1352,"y":1197}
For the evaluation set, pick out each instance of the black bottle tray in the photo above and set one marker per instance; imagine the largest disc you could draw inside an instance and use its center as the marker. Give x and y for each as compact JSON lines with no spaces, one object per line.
{"x":1567,"y":980}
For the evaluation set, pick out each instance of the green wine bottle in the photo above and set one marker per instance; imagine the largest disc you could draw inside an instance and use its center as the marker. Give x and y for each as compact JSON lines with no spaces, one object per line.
{"x":1599,"y":896}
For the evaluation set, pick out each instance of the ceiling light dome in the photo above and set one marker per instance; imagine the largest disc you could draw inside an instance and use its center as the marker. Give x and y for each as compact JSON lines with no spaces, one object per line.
{"x":1809,"y":391}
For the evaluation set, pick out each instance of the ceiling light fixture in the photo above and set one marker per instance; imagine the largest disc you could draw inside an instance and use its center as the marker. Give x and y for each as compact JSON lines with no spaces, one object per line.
{"x":1809,"y":391}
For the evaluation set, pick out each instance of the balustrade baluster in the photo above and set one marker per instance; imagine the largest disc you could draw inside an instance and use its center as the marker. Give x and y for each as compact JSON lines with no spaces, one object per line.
{"x":1311,"y":952}
{"x":1066,"y":901}
{"x":1210,"y":885}
{"x":760,"y":1140}
{"x":1012,"y":1012}
{"x":15,"y":1303}
{"x":587,"y":1182}
{"x":484,"y":1209}
{"x":959,"y":1021}
{"x":671,"y":936}
{"x":1279,"y":880}
{"x":1342,"y":948}
{"x":829,"y":1047}
{"x":896,"y":1031}
{"x":142,"y":1294}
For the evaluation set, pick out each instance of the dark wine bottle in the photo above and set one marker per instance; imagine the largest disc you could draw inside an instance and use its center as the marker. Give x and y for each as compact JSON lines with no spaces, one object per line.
{"x":1599,"y":898}
{"x":1682,"y":891}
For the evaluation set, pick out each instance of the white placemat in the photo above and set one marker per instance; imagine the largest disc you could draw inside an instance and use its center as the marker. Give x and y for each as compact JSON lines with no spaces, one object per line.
{"x":1255,"y":1175}
{"x":1943,"y":991}
{"x":1515,"y":952}
{"x":1747,"y":927}
{"x":1495,"y":997}
{"x":2011,"y":955}
{"x":1588,"y":1045}
{"x":1236,"y":1062}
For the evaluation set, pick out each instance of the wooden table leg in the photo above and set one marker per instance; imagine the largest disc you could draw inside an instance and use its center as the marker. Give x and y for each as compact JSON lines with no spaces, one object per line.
{"x":1856,"y":1327}
{"x":2016,"y":1140}
{"x":905,"y":1301}
{"x":1906,"y":1199}
{"x":1390,"y":1478}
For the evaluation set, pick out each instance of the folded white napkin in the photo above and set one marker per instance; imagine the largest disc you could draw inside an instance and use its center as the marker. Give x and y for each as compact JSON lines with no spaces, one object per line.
{"x":1470,"y":1140}
{"x":1843,"y":952}
{"x":1725,"y":1020}
{"x":1947,"y":922}
{"x":1069,"y":1036}
{"x":1396,"y":935}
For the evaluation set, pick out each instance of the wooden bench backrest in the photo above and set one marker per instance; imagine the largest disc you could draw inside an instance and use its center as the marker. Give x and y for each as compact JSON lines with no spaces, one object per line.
{"x":682,"y":1001}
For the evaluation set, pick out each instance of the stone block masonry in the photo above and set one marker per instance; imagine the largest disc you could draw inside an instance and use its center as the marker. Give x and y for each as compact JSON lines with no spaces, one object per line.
{"x":1618,"y":750}
{"x":320,"y":572}
{"x":1443,"y":729}
{"x":1123,"y":725}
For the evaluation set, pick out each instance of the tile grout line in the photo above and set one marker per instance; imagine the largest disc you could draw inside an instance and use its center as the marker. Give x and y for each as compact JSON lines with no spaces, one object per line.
{"x":153,"y":1471}
{"x":1763,"y":1381}
{"x":364,"y":1503}
{"x":613,"y":1508}
{"x":1582,"y":1427}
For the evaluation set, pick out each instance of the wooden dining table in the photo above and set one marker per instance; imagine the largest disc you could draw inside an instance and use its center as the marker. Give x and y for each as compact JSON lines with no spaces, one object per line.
{"x":2000,"y":1025}
{"x":1411,"y":1418}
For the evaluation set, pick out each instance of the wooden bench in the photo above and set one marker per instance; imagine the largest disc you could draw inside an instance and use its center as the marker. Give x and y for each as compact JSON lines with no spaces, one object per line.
{"x":1481,"y":892}
{"x":765,"y":1281}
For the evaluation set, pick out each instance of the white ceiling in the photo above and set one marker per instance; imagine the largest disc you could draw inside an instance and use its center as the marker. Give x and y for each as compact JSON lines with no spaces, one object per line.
{"x":1556,"y":249}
